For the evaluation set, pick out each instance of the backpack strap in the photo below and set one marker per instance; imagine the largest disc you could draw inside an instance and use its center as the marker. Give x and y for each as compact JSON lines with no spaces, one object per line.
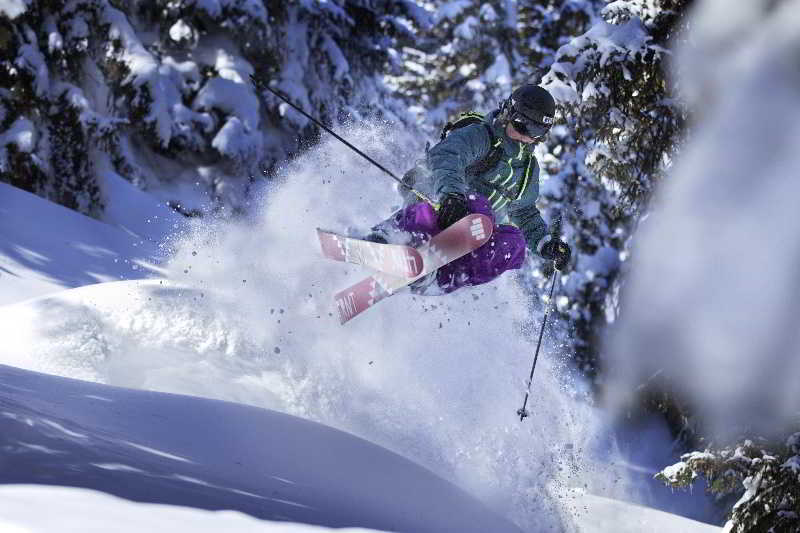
{"x":490,"y":160}
{"x":463,"y":120}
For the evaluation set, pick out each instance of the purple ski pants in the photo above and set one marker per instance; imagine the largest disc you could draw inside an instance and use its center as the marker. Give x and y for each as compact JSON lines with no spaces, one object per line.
{"x":504,"y":251}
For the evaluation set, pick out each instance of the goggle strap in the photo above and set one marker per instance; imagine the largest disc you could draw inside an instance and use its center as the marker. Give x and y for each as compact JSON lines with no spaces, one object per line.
{"x":543,"y":121}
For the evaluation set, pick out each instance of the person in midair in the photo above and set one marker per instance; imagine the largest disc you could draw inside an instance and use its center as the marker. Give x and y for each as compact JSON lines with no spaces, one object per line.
{"x":485,"y":165}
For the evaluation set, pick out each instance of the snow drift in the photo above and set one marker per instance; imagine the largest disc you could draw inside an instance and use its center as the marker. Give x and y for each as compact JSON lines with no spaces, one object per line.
{"x":178,"y":450}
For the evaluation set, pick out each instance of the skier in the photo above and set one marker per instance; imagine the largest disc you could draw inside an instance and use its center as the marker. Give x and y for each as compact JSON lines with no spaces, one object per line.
{"x":484,"y":165}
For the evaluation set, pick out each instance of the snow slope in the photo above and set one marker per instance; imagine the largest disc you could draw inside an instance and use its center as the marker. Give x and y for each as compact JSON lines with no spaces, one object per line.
{"x":179,"y":450}
{"x":45,"y":247}
{"x":604,"y":515}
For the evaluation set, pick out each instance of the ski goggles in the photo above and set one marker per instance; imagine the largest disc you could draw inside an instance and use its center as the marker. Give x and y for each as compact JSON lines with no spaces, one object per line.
{"x":529,"y":127}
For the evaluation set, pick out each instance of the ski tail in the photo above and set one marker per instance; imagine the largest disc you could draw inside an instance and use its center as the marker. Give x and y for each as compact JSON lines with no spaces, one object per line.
{"x":393,"y":259}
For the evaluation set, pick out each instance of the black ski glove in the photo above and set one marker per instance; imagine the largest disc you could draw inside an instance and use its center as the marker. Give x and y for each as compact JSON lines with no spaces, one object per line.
{"x":452,"y":209}
{"x":558,"y":251}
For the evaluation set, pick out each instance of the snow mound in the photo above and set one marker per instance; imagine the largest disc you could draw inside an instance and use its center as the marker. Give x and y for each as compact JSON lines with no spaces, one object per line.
{"x":178,"y":450}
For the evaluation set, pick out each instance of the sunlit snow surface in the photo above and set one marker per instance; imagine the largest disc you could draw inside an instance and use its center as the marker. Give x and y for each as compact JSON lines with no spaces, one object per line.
{"x":84,"y":511}
{"x":45,"y":248}
{"x":247,"y":316}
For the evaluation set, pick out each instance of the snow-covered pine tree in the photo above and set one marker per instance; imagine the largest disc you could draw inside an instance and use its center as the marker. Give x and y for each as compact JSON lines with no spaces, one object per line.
{"x":476,"y":52}
{"x":547,"y":25}
{"x":622,"y":123}
{"x":158,"y":92}
{"x":46,"y":128}
{"x":332,"y":60}
{"x":467,"y":61}
{"x":763,"y":475}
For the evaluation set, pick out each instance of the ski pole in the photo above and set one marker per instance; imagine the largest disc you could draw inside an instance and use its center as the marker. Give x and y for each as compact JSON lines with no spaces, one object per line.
{"x":522,"y":411}
{"x":260,"y":85}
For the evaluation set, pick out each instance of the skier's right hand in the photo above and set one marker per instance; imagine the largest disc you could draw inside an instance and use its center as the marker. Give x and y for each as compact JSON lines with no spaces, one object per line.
{"x":557,"y":251}
{"x":452,"y":209}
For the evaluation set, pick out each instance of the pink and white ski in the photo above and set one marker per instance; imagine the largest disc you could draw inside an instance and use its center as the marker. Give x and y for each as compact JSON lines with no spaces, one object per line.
{"x":394,"y":259}
{"x":463,"y":237}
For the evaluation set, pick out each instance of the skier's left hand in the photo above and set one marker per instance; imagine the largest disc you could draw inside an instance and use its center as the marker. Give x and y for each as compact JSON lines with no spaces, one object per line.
{"x":454,"y":207}
{"x":558,"y":251}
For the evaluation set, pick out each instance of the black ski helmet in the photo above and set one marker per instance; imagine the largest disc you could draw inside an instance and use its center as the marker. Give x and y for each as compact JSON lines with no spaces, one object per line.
{"x":534,"y":106}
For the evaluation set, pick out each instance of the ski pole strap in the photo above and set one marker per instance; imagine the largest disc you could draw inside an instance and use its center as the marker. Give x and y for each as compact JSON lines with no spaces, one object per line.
{"x":261,"y":85}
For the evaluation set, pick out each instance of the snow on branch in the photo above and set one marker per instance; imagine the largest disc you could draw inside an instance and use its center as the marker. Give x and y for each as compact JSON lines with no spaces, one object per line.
{"x":764,"y":476}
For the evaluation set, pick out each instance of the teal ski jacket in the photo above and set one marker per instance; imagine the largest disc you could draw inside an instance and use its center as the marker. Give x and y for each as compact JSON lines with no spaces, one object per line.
{"x":511,"y":185}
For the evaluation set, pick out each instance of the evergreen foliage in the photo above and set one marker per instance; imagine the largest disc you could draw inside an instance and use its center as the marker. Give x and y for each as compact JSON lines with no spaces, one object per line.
{"x":622,"y":124}
{"x":158,"y":91}
{"x":465,"y":61}
{"x":476,"y":52}
{"x":546,"y":26}
{"x":765,"y":477}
